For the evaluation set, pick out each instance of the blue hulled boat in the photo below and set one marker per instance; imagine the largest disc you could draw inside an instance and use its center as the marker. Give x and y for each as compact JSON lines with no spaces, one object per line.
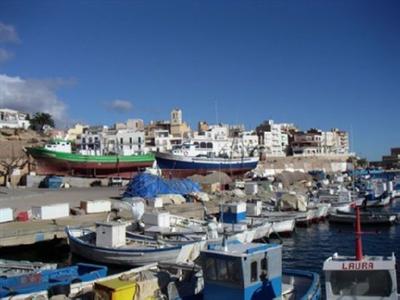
{"x":53,"y":281}
{"x":183,"y":166}
{"x":254,"y":271}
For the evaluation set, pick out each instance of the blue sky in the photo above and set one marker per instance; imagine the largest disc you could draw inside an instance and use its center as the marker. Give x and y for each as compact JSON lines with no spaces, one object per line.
{"x":313,"y":63}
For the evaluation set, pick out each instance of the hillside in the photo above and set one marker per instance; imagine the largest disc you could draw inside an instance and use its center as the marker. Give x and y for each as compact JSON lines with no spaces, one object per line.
{"x":13,"y":141}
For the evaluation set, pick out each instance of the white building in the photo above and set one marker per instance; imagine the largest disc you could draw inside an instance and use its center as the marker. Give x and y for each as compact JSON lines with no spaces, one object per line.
{"x":317,"y":142}
{"x":274,"y":137}
{"x":126,"y":142}
{"x":91,"y":141}
{"x":162,"y":140}
{"x":10,"y":118}
{"x":249,"y":139}
{"x":214,"y":132}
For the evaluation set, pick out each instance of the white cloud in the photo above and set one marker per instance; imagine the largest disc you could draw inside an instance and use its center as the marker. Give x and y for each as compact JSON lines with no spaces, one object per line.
{"x":8,"y":34}
{"x":119,"y":105}
{"x":31,"y":96}
{"x":5,"y":55}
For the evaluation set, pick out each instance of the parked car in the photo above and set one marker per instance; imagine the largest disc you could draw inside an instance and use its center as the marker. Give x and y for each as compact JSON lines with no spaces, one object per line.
{"x":115,"y":181}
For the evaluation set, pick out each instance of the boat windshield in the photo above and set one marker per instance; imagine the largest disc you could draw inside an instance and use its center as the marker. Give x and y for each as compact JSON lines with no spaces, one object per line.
{"x":223,"y":270}
{"x":377,"y":283}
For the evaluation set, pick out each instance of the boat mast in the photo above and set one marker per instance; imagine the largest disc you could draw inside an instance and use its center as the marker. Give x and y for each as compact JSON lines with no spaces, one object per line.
{"x":359,"y":252}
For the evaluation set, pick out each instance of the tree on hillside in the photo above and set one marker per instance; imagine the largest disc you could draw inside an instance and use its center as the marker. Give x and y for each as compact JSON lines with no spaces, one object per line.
{"x":40,"y":119}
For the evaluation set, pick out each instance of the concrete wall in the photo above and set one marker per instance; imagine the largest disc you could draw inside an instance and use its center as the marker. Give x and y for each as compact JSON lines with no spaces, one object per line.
{"x":328,"y":164}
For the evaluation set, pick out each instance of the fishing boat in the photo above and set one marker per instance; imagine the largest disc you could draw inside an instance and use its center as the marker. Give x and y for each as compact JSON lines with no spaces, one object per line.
{"x":366,"y":217}
{"x":9,"y":268}
{"x":111,"y":244}
{"x":188,"y":160}
{"x":359,"y":276}
{"x":52,"y":281}
{"x":57,"y":158}
{"x":372,"y":200}
{"x":253,"y":271}
{"x":227,"y":270}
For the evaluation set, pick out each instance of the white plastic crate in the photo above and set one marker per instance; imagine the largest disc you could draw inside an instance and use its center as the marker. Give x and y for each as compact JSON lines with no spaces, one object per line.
{"x":6,"y":215}
{"x":254,"y":208}
{"x":161,"y":219}
{"x":96,"y":206}
{"x":251,"y":188}
{"x":48,"y":212}
{"x":110,"y":234}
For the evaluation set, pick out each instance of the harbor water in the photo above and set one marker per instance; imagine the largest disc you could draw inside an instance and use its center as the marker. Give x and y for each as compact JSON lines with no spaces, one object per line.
{"x":306,"y":249}
{"x":309,"y":247}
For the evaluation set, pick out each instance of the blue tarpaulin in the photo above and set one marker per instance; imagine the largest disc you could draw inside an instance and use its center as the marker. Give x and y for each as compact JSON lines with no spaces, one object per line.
{"x":149,"y":186}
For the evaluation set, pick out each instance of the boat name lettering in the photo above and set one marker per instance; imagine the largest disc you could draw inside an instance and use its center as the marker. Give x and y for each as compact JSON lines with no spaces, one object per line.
{"x":358,"y":266}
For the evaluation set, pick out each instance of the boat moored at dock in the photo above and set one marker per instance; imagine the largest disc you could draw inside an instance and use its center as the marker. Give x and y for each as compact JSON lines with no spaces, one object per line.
{"x":111,"y":244}
{"x":52,"y":281}
{"x":359,"y":276}
{"x":253,"y":271}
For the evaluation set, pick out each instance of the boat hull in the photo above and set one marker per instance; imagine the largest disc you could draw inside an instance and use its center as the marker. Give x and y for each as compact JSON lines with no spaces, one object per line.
{"x":64,"y":164}
{"x":306,"y":285}
{"x":127,"y":256}
{"x":182,"y":166}
{"x":384,"y":220}
{"x":47,"y":280}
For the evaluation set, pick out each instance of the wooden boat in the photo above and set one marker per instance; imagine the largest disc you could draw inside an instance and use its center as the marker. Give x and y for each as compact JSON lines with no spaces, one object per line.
{"x":366,"y":217}
{"x":125,"y":250}
{"x":359,"y":276}
{"x":9,"y":268}
{"x":53,"y":281}
{"x":283,"y":226}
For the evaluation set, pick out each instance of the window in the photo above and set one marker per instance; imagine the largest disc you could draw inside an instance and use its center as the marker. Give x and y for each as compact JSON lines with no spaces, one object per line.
{"x":375,"y":283}
{"x":139,"y":140}
{"x":203,"y":145}
{"x":121,"y":140}
{"x":264,"y":264}
{"x":253,"y":271}
{"x":227,"y":271}
{"x":222,"y":270}
{"x":211,"y":273}
{"x":130,"y":141}
{"x":209,"y":145}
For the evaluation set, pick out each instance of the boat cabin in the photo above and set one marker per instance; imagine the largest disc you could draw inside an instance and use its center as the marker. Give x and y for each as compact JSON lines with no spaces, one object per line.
{"x":373,"y":277}
{"x":242,"y":271}
{"x":232,"y":212}
{"x":59,"y":146}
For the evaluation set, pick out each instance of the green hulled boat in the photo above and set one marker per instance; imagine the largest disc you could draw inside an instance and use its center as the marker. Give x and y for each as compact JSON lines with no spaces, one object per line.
{"x":57,"y":159}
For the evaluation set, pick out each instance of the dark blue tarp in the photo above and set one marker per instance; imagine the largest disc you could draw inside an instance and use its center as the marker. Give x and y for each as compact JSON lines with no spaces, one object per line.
{"x":149,"y":186}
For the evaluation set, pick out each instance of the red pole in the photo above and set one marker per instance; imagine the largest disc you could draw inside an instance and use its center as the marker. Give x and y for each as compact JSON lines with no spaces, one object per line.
{"x":359,"y":252}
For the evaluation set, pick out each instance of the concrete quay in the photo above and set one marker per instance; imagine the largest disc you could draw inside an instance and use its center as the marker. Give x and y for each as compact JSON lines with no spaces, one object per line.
{"x":33,"y":231}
